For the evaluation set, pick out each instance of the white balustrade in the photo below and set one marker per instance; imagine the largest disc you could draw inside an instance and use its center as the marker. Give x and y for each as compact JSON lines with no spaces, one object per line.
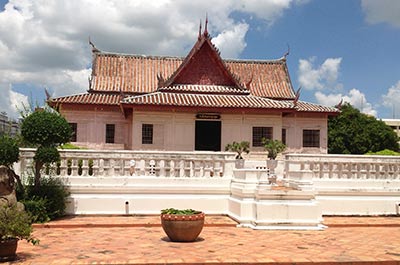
{"x":137,"y":163}
{"x":355,"y":167}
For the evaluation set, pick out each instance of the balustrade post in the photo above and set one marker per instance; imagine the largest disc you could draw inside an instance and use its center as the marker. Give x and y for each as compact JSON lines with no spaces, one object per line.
{"x":162,"y":168}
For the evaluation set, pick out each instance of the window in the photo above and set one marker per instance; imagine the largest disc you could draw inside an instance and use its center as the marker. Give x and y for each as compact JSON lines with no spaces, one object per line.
{"x":147,"y":133}
{"x":110,"y":133}
{"x":284,"y":136}
{"x":74,"y":128}
{"x":259,"y":133}
{"x":310,"y":138}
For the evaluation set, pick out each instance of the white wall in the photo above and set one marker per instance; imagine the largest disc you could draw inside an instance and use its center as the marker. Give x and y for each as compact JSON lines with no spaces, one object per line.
{"x":91,"y":127}
{"x":178,"y":129}
{"x":295,"y":125}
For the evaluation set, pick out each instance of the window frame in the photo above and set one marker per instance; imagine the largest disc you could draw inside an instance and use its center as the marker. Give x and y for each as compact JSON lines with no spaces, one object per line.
{"x":260,"y":132}
{"x":110,"y":133}
{"x":147,"y":133}
{"x":74,"y":128}
{"x":311,"y":138}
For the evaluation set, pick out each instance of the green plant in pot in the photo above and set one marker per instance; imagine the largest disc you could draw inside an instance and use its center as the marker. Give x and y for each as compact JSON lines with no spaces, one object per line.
{"x":273,"y":147}
{"x":14,"y":225}
{"x":182,"y":225}
{"x":239,"y":148}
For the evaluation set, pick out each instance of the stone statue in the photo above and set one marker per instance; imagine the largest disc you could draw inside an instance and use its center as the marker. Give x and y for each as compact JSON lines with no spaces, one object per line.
{"x":7,"y":188}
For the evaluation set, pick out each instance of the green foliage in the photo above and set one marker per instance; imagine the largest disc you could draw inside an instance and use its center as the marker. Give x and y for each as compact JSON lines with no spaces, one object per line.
{"x":9,"y":151}
{"x":15,"y":223}
{"x":46,"y":128}
{"x":70,"y":146}
{"x":352,"y":132}
{"x":47,"y":154}
{"x":180,"y":212}
{"x":239,"y":148}
{"x":385,"y":152}
{"x":36,"y":206}
{"x":53,"y":194}
{"x":273,"y":147}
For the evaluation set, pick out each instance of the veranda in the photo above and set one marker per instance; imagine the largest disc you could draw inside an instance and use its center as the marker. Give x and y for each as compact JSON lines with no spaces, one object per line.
{"x":309,"y":185}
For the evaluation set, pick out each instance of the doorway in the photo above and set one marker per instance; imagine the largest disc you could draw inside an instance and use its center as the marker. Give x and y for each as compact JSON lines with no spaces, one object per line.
{"x":208,"y":136}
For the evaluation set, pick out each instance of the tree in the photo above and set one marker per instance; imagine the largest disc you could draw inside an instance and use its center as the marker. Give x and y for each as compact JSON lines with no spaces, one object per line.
{"x":9,"y":154}
{"x":45,"y":129}
{"x":352,"y":132}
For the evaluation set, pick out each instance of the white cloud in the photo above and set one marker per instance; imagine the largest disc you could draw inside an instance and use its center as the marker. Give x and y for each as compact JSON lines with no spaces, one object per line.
{"x":392,"y":99}
{"x":227,"y":41}
{"x":382,"y":11}
{"x":355,"y":97}
{"x":45,"y":42}
{"x":12,"y":102}
{"x":322,"y":77}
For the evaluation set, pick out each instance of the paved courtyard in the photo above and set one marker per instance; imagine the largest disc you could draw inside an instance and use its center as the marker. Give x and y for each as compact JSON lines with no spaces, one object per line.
{"x":140,"y":240}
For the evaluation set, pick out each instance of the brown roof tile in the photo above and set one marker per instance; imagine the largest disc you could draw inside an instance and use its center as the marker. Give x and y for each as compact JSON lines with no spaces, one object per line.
{"x":89,"y":98}
{"x":206,"y":100}
{"x":138,"y":74}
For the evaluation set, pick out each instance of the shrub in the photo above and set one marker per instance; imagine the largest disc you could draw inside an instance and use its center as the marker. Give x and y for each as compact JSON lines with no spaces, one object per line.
{"x":53,"y":194}
{"x":239,"y":148}
{"x":15,"y":223}
{"x":385,"y":152}
{"x":36,"y":206}
{"x":273,"y":147}
{"x":9,"y":151}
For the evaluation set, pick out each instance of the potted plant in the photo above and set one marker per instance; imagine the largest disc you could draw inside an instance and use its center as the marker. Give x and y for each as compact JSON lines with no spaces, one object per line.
{"x":273,"y":147}
{"x":239,"y":148}
{"x":182,"y":225}
{"x":14,"y":225}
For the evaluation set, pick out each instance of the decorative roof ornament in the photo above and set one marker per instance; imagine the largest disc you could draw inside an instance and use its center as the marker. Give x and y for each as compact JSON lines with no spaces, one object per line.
{"x":339,"y":105}
{"x":48,"y":96}
{"x":206,"y":28}
{"x":161,"y":80}
{"x":249,"y":81}
{"x":296,"y":99}
{"x":94,"y":48}
{"x":199,"y":31}
{"x":287,"y":52}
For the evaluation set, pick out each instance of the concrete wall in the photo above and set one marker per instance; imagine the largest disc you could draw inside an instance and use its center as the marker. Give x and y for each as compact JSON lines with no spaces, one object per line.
{"x":176,"y":131}
{"x":91,"y":127}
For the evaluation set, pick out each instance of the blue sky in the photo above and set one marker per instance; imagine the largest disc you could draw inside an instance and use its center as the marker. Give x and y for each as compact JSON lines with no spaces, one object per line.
{"x":338,"y":49}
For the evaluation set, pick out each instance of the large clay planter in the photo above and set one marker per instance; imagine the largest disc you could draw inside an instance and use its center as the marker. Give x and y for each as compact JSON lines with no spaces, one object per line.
{"x":182,"y":228}
{"x":8,"y":249}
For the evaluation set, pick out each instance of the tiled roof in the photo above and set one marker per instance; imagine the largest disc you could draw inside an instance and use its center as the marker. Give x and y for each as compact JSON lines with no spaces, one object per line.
{"x":311,"y":107}
{"x":138,"y":74}
{"x":193,"y":100}
{"x":204,"y":89}
{"x":89,"y":98}
{"x":206,"y":100}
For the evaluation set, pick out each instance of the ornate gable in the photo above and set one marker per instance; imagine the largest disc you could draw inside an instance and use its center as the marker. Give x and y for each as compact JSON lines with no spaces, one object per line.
{"x":203,"y":66}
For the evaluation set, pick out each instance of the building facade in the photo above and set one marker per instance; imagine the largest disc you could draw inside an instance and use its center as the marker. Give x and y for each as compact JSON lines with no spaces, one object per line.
{"x":394,"y":124}
{"x":200,"y":102}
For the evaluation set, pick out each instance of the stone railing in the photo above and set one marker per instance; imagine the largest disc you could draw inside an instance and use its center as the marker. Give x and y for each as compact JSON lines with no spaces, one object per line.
{"x":137,"y":163}
{"x":355,"y":167}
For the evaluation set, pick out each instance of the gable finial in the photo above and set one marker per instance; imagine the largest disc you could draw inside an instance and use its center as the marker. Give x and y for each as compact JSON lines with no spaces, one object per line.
{"x":296,"y":99}
{"x":94,"y":48}
{"x":287,"y":52}
{"x":339,"y":105}
{"x":205,"y":26}
{"x":199,"y":30}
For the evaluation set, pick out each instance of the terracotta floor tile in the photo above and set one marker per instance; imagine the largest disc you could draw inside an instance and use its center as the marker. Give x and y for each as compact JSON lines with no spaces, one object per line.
{"x":114,"y":240}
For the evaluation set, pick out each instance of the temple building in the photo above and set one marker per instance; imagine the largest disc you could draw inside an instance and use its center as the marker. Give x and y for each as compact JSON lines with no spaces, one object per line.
{"x":199,"y":102}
